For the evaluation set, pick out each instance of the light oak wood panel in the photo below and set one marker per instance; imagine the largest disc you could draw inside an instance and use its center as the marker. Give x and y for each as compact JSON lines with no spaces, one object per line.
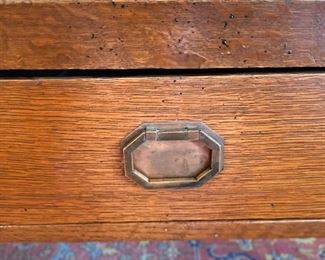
{"x":164,"y":230}
{"x":161,"y":34}
{"x":60,"y":158}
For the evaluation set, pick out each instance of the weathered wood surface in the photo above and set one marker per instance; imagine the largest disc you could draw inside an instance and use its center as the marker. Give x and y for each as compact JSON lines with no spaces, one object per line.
{"x":161,"y":34}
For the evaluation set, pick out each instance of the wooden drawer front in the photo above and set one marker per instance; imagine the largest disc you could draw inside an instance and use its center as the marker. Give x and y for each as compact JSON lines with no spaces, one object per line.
{"x":61,"y":162}
{"x":105,"y":34}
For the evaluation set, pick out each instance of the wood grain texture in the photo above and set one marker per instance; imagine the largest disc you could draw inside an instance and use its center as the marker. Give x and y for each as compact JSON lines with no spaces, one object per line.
{"x":161,"y":34}
{"x":164,"y":230}
{"x":60,"y":160}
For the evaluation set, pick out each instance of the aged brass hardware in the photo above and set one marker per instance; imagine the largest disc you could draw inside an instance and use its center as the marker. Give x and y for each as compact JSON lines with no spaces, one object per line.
{"x":177,"y":154}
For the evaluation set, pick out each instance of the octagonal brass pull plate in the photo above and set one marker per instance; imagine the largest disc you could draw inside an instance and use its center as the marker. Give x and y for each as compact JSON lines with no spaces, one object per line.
{"x":178,"y":154}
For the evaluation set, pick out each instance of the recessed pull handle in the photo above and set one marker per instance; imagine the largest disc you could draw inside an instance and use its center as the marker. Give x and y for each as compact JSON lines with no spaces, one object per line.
{"x":166,"y":155}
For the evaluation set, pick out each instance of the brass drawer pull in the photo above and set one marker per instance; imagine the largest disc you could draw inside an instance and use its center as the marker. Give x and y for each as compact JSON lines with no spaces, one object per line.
{"x":179,"y":154}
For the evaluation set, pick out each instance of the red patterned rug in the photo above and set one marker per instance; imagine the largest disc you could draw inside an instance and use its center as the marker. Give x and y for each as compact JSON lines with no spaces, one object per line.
{"x":278,"y":249}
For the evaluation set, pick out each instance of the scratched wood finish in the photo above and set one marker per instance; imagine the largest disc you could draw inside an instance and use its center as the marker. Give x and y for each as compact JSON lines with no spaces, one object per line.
{"x":164,"y":230}
{"x":161,"y":34}
{"x":60,"y":158}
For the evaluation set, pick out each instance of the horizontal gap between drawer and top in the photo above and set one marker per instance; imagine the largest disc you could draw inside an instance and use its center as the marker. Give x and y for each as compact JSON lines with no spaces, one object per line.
{"x":151,"y":72}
